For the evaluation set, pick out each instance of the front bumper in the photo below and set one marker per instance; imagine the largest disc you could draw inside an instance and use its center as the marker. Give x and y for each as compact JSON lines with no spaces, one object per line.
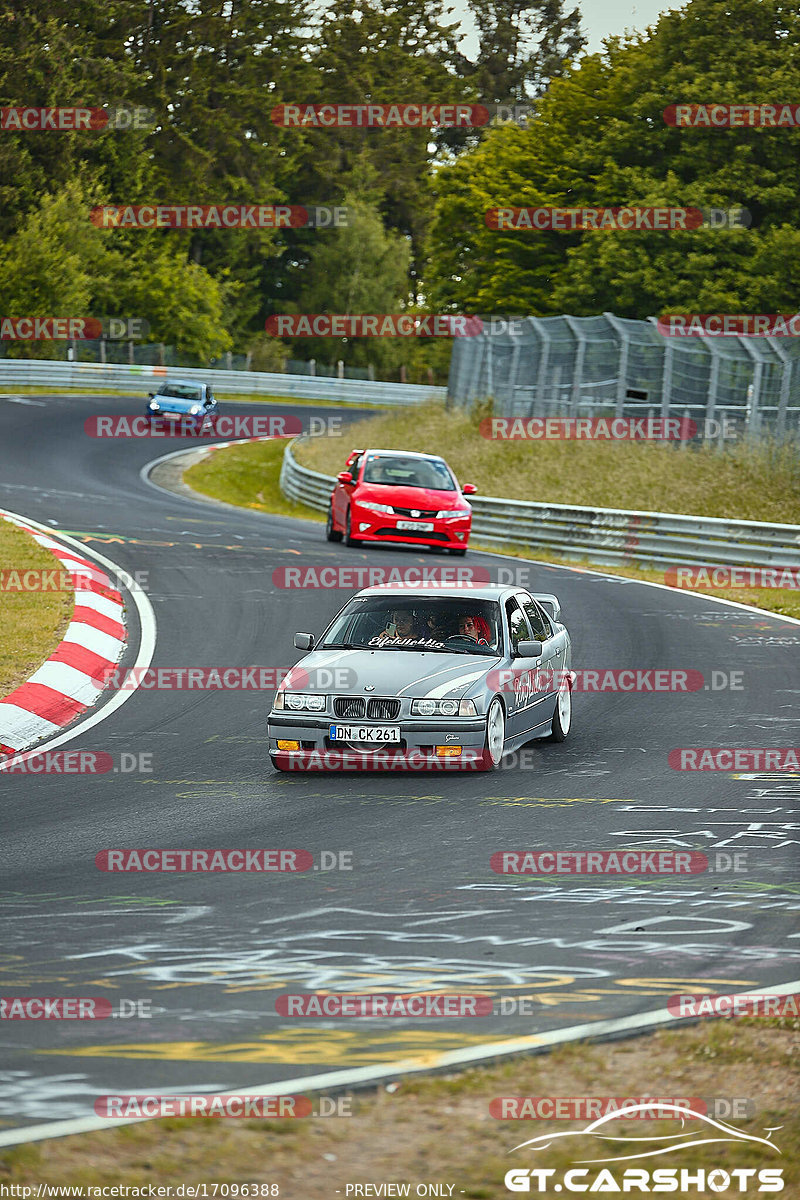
{"x":416,"y":749}
{"x":378,"y":527}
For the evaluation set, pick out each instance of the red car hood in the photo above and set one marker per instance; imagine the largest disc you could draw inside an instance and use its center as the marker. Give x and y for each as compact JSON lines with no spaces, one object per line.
{"x":409,"y":497}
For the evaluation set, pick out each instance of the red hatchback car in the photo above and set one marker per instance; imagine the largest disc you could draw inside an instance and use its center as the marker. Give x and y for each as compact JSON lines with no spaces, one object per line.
{"x":397,"y":496}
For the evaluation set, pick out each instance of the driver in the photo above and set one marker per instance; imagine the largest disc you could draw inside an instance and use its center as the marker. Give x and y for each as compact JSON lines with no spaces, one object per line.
{"x":402,"y":624}
{"x":476,"y":628}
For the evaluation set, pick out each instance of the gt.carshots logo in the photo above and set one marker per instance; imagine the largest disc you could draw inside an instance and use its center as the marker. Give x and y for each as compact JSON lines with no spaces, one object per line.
{"x":193,"y":425}
{"x":623,"y":1147}
{"x":312,"y":575}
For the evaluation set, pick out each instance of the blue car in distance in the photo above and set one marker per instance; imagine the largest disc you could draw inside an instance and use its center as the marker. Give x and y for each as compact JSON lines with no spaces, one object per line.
{"x":180,"y":399}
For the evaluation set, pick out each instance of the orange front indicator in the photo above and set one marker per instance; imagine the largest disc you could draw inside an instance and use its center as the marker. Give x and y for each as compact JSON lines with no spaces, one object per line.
{"x":288,"y":745}
{"x":448,"y":751}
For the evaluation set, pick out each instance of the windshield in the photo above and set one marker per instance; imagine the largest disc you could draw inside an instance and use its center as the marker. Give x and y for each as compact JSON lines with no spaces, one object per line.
{"x":452,"y":625}
{"x":409,"y":472}
{"x":179,"y":391}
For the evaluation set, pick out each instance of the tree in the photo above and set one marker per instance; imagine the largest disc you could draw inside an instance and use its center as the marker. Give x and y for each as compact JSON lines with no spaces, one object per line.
{"x":523,"y":44}
{"x":600,"y":139}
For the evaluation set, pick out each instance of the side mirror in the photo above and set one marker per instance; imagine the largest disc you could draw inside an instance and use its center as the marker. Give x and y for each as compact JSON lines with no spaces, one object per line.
{"x":209,"y":402}
{"x":527,"y":649}
{"x":469,"y":489}
{"x":344,"y":477}
{"x":304,"y":641}
{"x":151,"y":395}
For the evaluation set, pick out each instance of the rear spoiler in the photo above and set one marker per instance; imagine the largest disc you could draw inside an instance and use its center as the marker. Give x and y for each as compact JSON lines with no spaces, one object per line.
{"x":549,"y":603}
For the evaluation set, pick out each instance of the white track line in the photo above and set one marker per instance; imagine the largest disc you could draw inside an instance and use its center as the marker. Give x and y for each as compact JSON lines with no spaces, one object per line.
{"x":373,"y":1075}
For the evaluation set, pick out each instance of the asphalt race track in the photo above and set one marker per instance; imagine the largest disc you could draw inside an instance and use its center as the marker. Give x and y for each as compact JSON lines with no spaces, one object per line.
{"x":420,"y":909}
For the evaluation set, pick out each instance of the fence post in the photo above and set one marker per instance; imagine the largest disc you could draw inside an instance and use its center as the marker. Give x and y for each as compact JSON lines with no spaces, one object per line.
{"x":580,"y":356}
{"x":622,"y":366}
{"x":544,"y":363}
{"x":130,"y":354}
{"x":786,"y":386}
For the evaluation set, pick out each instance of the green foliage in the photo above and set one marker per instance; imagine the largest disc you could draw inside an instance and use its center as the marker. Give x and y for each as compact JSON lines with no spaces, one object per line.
{"x":600,"y":140}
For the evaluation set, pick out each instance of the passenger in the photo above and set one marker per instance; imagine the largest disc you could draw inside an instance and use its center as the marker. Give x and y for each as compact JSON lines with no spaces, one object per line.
{"x":402,"y":624}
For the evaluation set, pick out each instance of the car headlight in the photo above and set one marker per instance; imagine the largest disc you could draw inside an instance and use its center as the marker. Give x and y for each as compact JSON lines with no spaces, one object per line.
{"x":302,"y":700}
{"x":381,"y":508}
{"x":196,"y":409}
{"x":453,"y":514}
{"x":154,"y":405}
{"x":435,"y":708}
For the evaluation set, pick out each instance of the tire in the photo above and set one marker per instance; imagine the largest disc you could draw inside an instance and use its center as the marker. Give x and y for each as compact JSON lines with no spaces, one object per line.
{"x":349,"y":540}
{"x":562,"y":717}
{"x":495,"y":736}
{"x":458,"y":551}
{"x":332,"y":534}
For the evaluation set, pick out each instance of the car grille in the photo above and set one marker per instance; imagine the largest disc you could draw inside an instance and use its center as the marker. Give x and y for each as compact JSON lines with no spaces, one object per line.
{"x":417,"y":513}
{"x":394,"y":534}
{"x":379,"y":709}
{"x":350,"y":706}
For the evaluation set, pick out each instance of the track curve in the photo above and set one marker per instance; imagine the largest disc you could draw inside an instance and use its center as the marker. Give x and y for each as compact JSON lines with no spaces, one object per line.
{"x":420,"y":910}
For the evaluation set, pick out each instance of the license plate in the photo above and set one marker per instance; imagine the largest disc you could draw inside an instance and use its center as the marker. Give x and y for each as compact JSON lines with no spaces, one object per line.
{"x":424,"y":526}
{"x":365,"y":733}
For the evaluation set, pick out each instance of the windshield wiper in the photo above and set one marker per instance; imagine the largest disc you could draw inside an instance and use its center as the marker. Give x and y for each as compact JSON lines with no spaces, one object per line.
{"x":340,"y":646}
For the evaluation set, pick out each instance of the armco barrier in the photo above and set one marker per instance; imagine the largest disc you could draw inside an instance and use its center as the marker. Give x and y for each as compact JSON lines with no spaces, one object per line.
{"x":89,"y":377}
{"x":605,"y":535}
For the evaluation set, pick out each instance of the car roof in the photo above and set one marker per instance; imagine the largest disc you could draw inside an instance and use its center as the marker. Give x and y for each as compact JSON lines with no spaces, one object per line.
{"x":437,"y":591}
{"x":180,"y":383}
{"x":404,"y":454}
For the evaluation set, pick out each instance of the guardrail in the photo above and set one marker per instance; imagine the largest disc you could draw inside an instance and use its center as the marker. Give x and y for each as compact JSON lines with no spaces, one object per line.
{"x":89,"y":377}
{"x":605,"y":535}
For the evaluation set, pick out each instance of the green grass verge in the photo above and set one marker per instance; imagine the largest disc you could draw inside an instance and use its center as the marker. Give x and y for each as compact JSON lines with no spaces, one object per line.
{"x":32,"y":623}
{"x":248,"y":475}
{"x":746,"y":482}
